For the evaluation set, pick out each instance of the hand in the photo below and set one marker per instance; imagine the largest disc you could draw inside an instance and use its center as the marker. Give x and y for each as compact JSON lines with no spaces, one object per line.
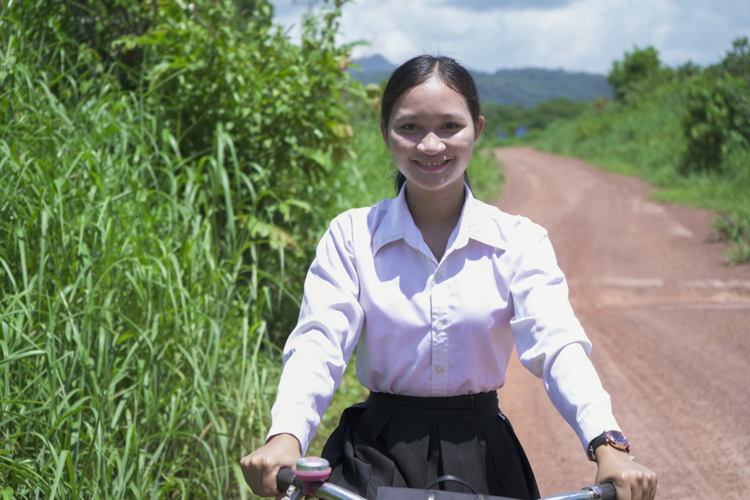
{"x":261,"y":466}
{"x":633,"y":481}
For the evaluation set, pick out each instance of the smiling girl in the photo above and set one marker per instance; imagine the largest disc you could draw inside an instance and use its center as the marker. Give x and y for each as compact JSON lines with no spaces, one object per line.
{"x":434,"y":289}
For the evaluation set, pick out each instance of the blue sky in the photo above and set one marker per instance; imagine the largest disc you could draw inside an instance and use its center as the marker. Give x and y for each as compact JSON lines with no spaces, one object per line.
{"x":577,"y":35}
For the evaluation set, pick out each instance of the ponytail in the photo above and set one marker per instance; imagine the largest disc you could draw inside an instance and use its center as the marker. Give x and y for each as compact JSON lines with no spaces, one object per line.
{"x":399,"y":181}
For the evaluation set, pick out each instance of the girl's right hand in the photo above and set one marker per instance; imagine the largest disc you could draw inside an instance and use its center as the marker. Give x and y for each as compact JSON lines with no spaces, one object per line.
{"x":261,"y":466}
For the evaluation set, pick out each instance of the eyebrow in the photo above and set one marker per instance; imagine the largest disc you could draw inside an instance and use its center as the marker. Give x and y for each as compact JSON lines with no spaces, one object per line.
{"x":416,"y":116}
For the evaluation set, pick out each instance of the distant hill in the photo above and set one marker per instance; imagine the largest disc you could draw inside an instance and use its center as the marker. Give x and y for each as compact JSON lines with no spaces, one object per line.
{"x":525,"y":87}
{"x":373,"y":63}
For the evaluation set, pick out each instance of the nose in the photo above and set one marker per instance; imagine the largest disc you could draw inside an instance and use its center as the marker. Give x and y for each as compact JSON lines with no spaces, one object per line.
{"x":431,"y":144}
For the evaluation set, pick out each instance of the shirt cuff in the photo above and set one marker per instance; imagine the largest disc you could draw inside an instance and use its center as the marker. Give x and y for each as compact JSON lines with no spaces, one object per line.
{"x":595,"y":420}
{"x":298,"y":429}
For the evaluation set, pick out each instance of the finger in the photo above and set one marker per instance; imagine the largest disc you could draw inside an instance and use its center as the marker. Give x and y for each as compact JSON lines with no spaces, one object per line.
{"x":652,"y":488}
{"x":623,"y":490}
{"x":269,"y":480}
{"x":256,"y":479}
{"x":636,"y":489}
{"x":250,"y":474}
{"x":640,"y":487}
{"x":647,"y":485}
{"x":246,"y":470}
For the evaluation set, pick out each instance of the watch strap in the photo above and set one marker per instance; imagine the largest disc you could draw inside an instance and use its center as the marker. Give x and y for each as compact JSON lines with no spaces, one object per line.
{"x":616,"y":439}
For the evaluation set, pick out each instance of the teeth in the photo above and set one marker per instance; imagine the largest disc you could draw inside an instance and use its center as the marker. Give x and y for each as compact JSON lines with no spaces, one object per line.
{"x":431,"y":163}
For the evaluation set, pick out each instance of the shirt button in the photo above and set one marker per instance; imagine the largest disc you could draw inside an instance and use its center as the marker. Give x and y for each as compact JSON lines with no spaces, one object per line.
{"x":439,"y":369}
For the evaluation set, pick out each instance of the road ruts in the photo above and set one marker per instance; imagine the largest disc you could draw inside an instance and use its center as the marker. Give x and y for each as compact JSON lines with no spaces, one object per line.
{"x":670,"y":324}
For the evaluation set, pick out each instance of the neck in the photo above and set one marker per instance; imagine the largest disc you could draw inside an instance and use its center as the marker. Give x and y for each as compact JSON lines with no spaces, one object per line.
{"x":436,"y":210}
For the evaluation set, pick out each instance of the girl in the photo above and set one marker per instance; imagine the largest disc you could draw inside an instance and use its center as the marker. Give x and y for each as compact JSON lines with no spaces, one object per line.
{"x":434,"y":288}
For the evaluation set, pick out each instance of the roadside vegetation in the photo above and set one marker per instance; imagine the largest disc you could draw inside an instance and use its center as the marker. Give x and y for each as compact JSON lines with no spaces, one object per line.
{"x":166,"y":169}
{"x":511,"y":124}
{"x":685,"y":130}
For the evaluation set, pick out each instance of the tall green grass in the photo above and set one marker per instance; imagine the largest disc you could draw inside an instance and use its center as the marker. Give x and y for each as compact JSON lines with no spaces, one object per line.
{"x":130,"y":364}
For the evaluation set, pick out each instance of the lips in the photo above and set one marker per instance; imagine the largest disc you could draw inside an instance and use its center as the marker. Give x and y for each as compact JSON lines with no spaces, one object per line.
{"x":432,"y":165}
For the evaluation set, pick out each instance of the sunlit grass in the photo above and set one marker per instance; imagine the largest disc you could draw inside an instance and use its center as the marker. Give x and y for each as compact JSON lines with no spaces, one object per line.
{"x":130,"y":362}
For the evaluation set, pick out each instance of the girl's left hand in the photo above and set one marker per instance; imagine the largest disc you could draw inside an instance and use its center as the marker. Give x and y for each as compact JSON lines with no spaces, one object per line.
{"x":633,"y":481}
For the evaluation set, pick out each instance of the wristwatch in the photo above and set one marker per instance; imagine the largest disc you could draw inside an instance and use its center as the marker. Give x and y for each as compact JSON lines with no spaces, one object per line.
{"x":615,"y":439}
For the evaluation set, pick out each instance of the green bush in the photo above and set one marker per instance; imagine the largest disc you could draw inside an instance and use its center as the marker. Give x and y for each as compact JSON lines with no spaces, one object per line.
{"x":637,"y":67}
{"x":717,"y":119}
{"x":215,"y":72}
{"x":56,"y":33}
{"x":717,"y":115}
{"x":737,"y":61}
{"x":283,"y":106}
{"x":735,"y":229}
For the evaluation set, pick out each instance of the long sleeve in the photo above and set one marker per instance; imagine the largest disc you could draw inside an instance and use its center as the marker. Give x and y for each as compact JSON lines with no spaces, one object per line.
{"x":551,"y":342}
{"x":318,"y":349}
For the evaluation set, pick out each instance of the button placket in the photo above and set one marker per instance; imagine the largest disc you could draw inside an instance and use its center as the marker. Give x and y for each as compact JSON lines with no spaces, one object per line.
{"x":440,"y":338}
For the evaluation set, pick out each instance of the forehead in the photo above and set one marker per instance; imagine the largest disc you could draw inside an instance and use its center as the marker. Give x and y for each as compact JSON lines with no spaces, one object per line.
{"x":432,"y":97}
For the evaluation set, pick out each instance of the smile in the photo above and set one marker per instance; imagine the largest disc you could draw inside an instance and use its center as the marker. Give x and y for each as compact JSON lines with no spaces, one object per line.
{"x":433,"y":164}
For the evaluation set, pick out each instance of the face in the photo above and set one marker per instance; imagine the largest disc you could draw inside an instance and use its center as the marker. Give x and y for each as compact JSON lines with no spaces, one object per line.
{"x":431,"y":136}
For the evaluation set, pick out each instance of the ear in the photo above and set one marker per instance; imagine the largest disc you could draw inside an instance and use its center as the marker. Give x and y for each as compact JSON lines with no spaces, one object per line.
{"x":478,"y":127}
{"x":384,"y":132}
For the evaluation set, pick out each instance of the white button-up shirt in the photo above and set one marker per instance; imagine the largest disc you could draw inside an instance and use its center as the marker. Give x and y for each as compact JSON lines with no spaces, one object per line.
{"x":424,"y":327}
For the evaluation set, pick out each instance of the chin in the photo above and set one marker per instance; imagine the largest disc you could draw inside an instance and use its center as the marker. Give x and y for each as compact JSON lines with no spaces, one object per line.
{"x":436,"y":185}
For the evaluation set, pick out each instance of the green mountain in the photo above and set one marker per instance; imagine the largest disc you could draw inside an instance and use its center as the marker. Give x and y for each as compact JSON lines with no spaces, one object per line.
{"x":525,"y":87}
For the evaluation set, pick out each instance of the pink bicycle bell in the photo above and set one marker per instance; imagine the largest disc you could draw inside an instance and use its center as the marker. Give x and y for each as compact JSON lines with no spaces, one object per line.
{"x":311,"y":471}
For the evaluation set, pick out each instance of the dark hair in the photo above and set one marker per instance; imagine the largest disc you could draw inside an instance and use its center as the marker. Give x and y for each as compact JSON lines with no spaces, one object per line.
{"x":418,"y":70}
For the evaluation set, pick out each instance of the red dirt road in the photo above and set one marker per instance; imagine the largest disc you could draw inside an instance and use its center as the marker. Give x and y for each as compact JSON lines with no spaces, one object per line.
{"x":670,"y":324}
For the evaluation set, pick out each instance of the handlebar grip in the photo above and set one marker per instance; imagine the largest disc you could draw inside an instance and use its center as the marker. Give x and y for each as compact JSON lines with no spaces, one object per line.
{"x":608,"y":491}
{"x":284,"y":478}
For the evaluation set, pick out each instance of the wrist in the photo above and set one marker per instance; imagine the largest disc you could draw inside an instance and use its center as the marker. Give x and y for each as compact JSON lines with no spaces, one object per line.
{"x":604,"y":453}
{"x":612,"y":440}
{"x":286,"y":440}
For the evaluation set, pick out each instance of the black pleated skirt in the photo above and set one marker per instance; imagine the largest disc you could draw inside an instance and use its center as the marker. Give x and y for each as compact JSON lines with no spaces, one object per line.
{"x":404,"y":441}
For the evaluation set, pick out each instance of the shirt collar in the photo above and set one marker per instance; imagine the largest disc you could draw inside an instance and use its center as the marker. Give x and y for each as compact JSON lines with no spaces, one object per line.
{"x":476,"y":223}
{"x":397,"y":224}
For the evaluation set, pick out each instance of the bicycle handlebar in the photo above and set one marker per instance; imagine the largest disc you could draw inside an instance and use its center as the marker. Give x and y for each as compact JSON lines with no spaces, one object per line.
{"x":607,"y":491}
{"x":327,"y":491}
{"x":286,"y":478}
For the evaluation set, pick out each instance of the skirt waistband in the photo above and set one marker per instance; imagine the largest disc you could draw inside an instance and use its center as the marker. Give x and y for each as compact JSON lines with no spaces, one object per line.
{"x":462,"y":408}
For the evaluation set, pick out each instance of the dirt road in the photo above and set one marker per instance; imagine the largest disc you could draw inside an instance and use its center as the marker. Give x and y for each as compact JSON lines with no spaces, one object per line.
{"x":670,"y":324}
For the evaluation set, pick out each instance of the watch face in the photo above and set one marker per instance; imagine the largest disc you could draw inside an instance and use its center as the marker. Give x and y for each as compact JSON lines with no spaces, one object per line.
{"x":617,"y":439}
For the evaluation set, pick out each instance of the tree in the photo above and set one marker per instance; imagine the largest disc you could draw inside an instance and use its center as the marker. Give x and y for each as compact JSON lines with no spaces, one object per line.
{"x":636,"y":67}
{"x":737,"y":60}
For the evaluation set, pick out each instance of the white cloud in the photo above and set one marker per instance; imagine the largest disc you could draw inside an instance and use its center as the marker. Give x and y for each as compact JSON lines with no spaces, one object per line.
{"x":582,"y":35}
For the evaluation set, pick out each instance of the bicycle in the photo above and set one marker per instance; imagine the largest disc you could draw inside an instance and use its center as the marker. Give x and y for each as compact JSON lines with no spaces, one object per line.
{"x":309,"y":478}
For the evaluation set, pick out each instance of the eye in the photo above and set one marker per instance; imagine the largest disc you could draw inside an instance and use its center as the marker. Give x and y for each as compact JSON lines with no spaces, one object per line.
{"x":408,"y":127}
{"x":452,"y":126}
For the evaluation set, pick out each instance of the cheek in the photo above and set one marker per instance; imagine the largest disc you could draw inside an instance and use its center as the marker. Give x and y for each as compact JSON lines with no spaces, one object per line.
{"x":398,"y":144}
{"x":464,"y":140}
{"x":465,"y":137}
